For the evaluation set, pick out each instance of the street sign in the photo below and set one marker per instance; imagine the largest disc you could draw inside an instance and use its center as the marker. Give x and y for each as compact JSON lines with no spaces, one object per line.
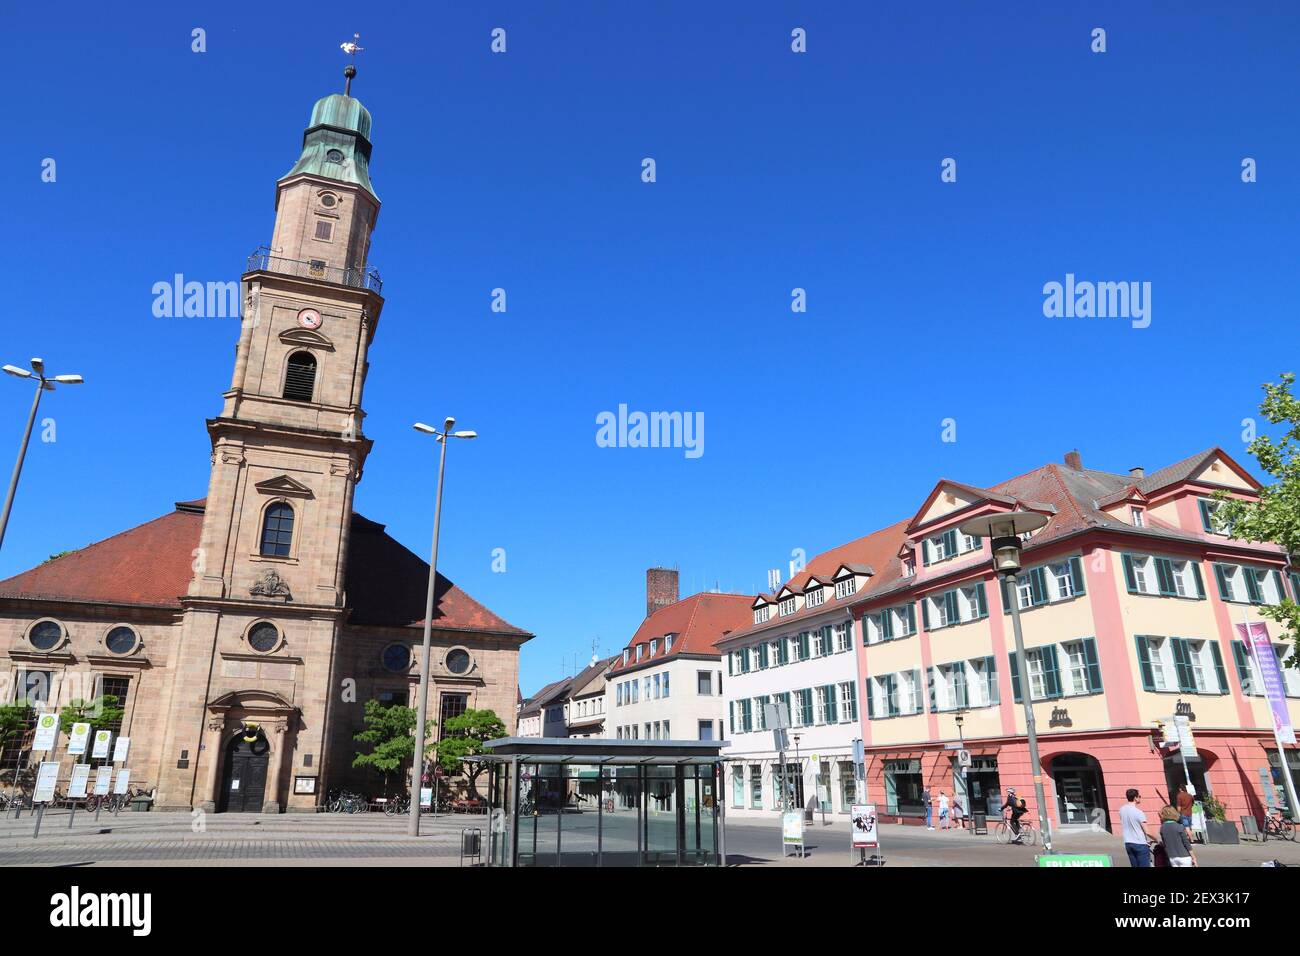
{"x":120,"y":749}
{"x":1074,"y":859}
{"x":776,"y":716}
{"x":80,"y":776}
{"x":47,"y":727}
{"x":99,"y":750}
{"x":963,"y":759}
{"x":78,"y":738}
{"x":46,"y":777}
{"x":123,"y":778}
{"x":103,"y":779}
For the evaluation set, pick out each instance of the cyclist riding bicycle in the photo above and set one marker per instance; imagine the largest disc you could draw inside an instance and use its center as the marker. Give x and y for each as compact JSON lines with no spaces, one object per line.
{"x":1018,"y":809}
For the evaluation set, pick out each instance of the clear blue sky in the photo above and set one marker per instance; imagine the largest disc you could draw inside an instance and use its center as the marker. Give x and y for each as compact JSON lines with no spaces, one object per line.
{"x":775,"y":171}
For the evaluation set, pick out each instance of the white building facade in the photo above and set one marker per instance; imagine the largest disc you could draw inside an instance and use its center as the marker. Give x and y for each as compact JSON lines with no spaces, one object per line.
{"x":804,"y":660}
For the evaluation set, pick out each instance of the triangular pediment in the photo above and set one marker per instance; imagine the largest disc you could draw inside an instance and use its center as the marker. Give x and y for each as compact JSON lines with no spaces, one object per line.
{"x":284,"y":485}
{"x":307,"y":338}
{"x":1219,"y":469}
{"x":949,"y":497}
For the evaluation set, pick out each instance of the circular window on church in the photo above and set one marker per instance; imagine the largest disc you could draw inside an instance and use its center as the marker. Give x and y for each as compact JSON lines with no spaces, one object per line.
{"x":334,"y":156}
{"x":396,"y":658}
{"x":264,"y":637}
{"x":329,"y":200}
{"x":121,"y":640}
{"x":458,"y":660}
{"x":45,"y":635}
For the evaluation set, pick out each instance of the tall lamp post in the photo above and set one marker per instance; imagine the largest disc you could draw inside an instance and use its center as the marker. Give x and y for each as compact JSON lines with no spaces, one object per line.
{"x":1004,"y":531}
{"x":43,"y":384}
{"x":965,"y":776}
{"x":417,"y":761}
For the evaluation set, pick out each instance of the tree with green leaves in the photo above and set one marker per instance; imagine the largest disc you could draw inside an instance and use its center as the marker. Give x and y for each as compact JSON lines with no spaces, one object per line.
{"x":390,"y":732}
{"x":101,"y":713}
{"x":15,"y":721}
{"x":1275,"y":516}
{"x":463,"y":740}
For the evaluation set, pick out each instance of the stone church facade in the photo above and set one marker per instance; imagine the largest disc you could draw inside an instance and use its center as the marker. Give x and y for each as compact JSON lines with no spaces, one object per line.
{"x":243,"y":632}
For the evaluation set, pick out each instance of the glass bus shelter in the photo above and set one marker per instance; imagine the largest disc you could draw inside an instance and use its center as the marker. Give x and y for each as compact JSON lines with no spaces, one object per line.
{"x":560,"y":801}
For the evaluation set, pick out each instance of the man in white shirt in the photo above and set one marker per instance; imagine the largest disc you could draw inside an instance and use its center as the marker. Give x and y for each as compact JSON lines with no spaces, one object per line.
{"x":1133,"y":826}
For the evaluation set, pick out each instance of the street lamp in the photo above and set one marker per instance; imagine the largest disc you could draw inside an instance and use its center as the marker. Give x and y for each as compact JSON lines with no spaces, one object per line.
{"x":1004,"y":531}
{"x":417,"y":761}
{"x":965,"y":776}
{"x":43,"y":384}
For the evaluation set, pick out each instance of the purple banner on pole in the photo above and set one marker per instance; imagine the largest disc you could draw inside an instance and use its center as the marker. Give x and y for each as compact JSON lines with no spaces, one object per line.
{"x":1261,"y":648}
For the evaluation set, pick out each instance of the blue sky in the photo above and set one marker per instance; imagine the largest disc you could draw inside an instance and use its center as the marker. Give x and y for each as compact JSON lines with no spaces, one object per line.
{"x":775,"y":171}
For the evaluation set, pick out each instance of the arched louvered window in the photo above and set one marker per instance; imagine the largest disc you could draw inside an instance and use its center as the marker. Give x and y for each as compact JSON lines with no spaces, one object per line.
{"x":277,"y":530}
{"x":300,"y":377}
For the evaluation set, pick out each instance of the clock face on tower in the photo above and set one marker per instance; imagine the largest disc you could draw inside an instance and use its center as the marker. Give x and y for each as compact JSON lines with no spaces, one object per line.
{"x":310,"y":319}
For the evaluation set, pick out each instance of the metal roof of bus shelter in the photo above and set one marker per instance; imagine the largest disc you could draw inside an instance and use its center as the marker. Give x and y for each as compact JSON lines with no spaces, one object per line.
{"x":602,"y":750}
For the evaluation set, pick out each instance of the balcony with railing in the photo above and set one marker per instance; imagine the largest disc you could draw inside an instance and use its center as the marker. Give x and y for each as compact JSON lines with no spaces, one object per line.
{"x":263,"y":261}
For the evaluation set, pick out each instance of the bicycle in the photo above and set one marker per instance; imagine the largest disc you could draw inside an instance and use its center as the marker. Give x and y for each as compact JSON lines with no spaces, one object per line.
{"x":396,"y":805}
{"x":1276,"y":825}
{"x":1005,"y":835}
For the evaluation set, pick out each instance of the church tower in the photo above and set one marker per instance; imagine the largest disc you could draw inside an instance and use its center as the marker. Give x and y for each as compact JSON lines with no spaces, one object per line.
{"x":266,"y":604}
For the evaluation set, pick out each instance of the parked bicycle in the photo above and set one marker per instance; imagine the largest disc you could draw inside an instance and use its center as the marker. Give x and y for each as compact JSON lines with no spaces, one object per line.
{"x":345,"y":801}
{"x":1278,"y":826}
{"x":396,"y":805}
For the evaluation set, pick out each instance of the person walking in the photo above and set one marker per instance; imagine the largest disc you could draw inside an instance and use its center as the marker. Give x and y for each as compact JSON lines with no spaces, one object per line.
{"x":929,"y":808}
{"x":1133,"y":827}
{"x":958,"y":812}
{"x":943,"y":810}
{"x":1184,"y":802}
{"x":1173,"y":837}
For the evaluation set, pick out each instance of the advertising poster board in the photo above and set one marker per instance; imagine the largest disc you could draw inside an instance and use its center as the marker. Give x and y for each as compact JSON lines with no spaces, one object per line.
{"x":103,"y":780}
{"x":792,"y":832}
{"x":863,"y":818}
{"x":123,"y":778}
{"x":120,"y":749}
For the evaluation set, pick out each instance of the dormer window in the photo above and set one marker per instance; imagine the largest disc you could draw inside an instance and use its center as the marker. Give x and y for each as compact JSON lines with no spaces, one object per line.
{"x":668,"y":643}
{"x":1138,"y":517}
{"x":909,"y":567}
{"x":761,"y":614}
{"x":1209,"y":519}
{"x":654,"y":646}
{"x":845,"y":587}
{"x":815,"y":597}
{"x":786,"y":607}
{"x":626,"y":655}
{"x":640,"y":648}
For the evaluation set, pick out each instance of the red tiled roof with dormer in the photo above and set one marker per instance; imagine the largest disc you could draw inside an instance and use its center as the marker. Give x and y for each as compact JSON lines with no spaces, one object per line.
{"x":696,"y":623}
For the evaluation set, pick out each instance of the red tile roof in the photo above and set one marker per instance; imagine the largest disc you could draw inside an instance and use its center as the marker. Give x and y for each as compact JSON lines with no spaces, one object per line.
{"x":151,"y":565}
{"x":696,"y":623}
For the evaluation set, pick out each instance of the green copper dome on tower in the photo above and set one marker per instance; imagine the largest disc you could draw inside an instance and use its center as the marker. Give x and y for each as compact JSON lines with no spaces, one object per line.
{"x":336,"y":144}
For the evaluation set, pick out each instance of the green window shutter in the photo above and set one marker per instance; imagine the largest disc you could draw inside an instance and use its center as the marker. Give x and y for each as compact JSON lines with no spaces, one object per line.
{"x":886,"y":625}
{"x":1076,"y":576}
{"x":764,"y":661}
{"x":1221,"y":576}
{"x":1165,"y":577}
{"x":731,"y":713}
{"x":894,"y":708}
{"x":1144,"y":661}
{"x":744,"y":661}
{"x":950,"y":606}
{"x":731,"y":665}
{"x":981,"y":601}
{"x":1038,"y":586}
{"x":1015,"y":679}
{"x":807,"y":706}
{"x":853,"y":700}
{"x":1094,"y":666}
{"x":1196,"y":575}
{"x":950,"y":542}
{"x":1252,"y":586}
{"x":832,"y":712}
{"x":1130,"y":579}
{"x":911,"y":619}
{"x":1218,"y":667}
{"x":925,"y":552}
{"x":1206,"y":521}
{"x":1006,"y":595}
{"x":1051,"y":672}
{"x":1295,"y":587}
{"x":803,"y":645}
{"x":828,"y":641}
{"x":1277,"y":585}
{"x":871,"y":699}
{"x":925,"y":612}
{"x":959,"y":686}
{"x":1243,"y":668}
{"x":929,"y":679}
{"x":783,"y":650}
{"x":1183,"y":665}
{"x":991,"y":670}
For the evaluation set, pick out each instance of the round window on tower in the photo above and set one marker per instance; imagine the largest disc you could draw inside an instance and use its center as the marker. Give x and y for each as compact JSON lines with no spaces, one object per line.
{"x":263,"y":637}
{"x":458,"y":660}
{"x":334,"y":156}
{"x":329,"y":200}
{"x":396,"y":658}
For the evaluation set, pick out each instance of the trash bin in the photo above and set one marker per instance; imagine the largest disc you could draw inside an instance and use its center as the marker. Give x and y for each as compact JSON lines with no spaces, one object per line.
{"x":979,"y":822}
{"x":470,"y":842}
{"x":141,"y":804}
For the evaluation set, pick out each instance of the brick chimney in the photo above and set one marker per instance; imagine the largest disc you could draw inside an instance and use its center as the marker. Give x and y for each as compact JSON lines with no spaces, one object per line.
{"x":660,"y":589}
{"x":1138,"y":472}
{"x":1072,"y":460}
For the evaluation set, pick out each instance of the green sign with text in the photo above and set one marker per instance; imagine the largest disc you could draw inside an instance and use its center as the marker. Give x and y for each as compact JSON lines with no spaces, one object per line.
{"x":1075,"y":859}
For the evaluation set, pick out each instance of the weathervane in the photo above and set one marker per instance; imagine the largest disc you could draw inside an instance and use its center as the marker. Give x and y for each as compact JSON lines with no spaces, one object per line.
{"x":351,"y":48}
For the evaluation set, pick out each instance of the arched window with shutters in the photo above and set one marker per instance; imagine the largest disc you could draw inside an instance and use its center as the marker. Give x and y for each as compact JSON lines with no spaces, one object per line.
{"x":277,"y":530}
{"x":300,"y":377}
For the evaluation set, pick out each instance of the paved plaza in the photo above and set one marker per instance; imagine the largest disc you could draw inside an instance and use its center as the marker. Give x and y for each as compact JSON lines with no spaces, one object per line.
{"x":171,"y":839}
